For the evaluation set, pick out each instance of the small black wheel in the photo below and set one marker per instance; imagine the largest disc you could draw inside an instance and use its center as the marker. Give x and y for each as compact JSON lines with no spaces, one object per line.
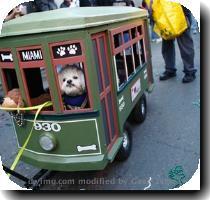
{"x":140,"y":110}
{"x":126,"y":146}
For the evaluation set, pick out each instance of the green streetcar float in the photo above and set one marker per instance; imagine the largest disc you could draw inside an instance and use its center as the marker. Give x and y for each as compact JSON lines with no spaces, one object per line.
{"x":111,"y":47}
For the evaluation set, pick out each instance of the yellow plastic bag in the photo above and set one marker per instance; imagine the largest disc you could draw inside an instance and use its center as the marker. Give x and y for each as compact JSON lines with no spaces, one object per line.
{"x":169,"y":18}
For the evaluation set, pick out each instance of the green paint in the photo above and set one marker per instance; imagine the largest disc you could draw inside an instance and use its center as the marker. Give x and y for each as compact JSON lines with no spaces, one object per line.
{"x":116,"y":147}
{"x":84,"y":129}
{"x":177,"y":174}
{"x":69,"y":19}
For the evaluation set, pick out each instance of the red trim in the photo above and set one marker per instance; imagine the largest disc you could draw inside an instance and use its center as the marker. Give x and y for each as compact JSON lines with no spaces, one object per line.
{"x":25,"y":87}
{"x":111,"y":89}
{"x":7,"y":64}
{"x":125,"y":27}
{"x":104,"y":93}
{"x":139,"y":36}
{"x":76,"y":59}
{"x":106,"y":90}
{"x":134,"y":67}
{"x":30,"y":64}
{"x":4,"y":84}
{"x":33,"y":64}
{"x":71,"y":60}
{"x":126,"y":45}
{"x":112,"y":143}
{"x":145,"y":52}
{"x":27,"y":91}
{"x":144,"y":44}
{"x":132,"y":41}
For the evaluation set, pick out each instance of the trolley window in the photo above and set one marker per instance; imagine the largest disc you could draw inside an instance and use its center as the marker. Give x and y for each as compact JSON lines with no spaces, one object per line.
{"x":34,"y":74}
{"x":128,"y":49}
{"x":7,"y":70}
{"x":71,"y":76}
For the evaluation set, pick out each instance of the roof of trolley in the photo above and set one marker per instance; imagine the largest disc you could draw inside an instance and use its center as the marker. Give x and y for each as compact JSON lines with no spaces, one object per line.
{"x":69,"y":19}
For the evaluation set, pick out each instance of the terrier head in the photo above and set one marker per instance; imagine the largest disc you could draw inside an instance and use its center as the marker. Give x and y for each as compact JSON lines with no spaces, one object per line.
{"x":72,"y":80}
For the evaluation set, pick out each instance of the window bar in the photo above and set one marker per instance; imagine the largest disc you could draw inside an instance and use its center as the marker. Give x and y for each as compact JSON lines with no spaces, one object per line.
{"x":117,"y":79}
{"x":126,"y":66}
{"x":139,"y":53}
{"x":81,"y":65}
{"x":145,"y":57}
{"x":122,"y":39}
{"x":133,"y":60}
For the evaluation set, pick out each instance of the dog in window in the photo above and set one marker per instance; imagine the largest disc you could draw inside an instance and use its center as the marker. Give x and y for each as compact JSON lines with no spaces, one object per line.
{"x":73,"y":87}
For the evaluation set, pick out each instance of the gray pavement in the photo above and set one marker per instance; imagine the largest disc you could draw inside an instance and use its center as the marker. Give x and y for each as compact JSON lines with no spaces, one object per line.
{"x":169,"y":138}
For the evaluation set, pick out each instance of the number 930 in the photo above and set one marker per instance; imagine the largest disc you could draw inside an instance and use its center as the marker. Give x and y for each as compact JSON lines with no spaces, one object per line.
{"x":47,"y":127}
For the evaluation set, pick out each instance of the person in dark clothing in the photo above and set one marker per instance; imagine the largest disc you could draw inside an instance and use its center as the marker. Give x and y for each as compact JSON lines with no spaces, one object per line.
{"x":30,"y":6}
{"x":132,"y":4}
{"x":186,"y":47}
{"x":86,"y":3}
{"x":44,"y":5}
{"x":124,"y":3}
{"x":66,"y":4}
{"x":104,"y":2}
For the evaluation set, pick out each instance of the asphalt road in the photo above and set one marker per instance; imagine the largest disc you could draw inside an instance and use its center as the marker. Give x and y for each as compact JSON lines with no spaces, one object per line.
{"x":168,"y":141}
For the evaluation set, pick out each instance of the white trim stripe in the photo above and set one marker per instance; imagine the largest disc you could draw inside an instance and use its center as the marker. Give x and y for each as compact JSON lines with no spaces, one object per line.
{"x":60,"y":155}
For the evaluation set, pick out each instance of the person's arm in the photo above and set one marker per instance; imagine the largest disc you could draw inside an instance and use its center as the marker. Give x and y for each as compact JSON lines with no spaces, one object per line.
{"x":15,"y":12}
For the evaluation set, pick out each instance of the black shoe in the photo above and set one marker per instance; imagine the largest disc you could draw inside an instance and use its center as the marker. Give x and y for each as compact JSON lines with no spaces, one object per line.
{"x":167,"y":75}
{"x":188,"y":78}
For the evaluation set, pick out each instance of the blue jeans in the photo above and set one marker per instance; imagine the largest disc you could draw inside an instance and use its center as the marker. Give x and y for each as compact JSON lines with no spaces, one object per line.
{"x":153,"y":34}
{"x":194,"y":23}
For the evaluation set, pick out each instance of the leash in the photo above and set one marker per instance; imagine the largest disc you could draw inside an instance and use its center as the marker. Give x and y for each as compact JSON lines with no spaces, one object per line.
{"x":38,"y":108}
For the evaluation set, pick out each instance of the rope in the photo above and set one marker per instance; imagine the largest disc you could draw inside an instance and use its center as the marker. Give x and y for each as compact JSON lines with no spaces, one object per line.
{"x":38,"y":108}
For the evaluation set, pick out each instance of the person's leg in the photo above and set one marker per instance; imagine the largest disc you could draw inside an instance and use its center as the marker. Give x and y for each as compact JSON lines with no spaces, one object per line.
{"x":194,"y":24}
{"x":168,"y":53}
{"x":186,"y":47}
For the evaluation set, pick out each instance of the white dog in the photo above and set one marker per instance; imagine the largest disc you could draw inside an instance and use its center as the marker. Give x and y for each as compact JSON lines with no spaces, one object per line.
{"x":73,"y":87}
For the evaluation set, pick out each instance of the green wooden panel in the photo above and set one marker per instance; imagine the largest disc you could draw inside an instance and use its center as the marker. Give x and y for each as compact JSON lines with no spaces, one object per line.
{"x":73,"y":133}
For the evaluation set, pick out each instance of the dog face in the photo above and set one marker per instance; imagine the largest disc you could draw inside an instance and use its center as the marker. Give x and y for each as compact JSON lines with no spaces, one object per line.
{"x":72,"y":80}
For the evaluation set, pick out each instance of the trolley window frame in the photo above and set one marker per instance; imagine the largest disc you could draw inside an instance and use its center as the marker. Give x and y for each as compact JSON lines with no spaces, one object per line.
{"x":106,"y":90}
{"x":71,"y":60}
{"x":139,"y":35}
{"x":33,"y":65}
{"x":6,"y":65}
